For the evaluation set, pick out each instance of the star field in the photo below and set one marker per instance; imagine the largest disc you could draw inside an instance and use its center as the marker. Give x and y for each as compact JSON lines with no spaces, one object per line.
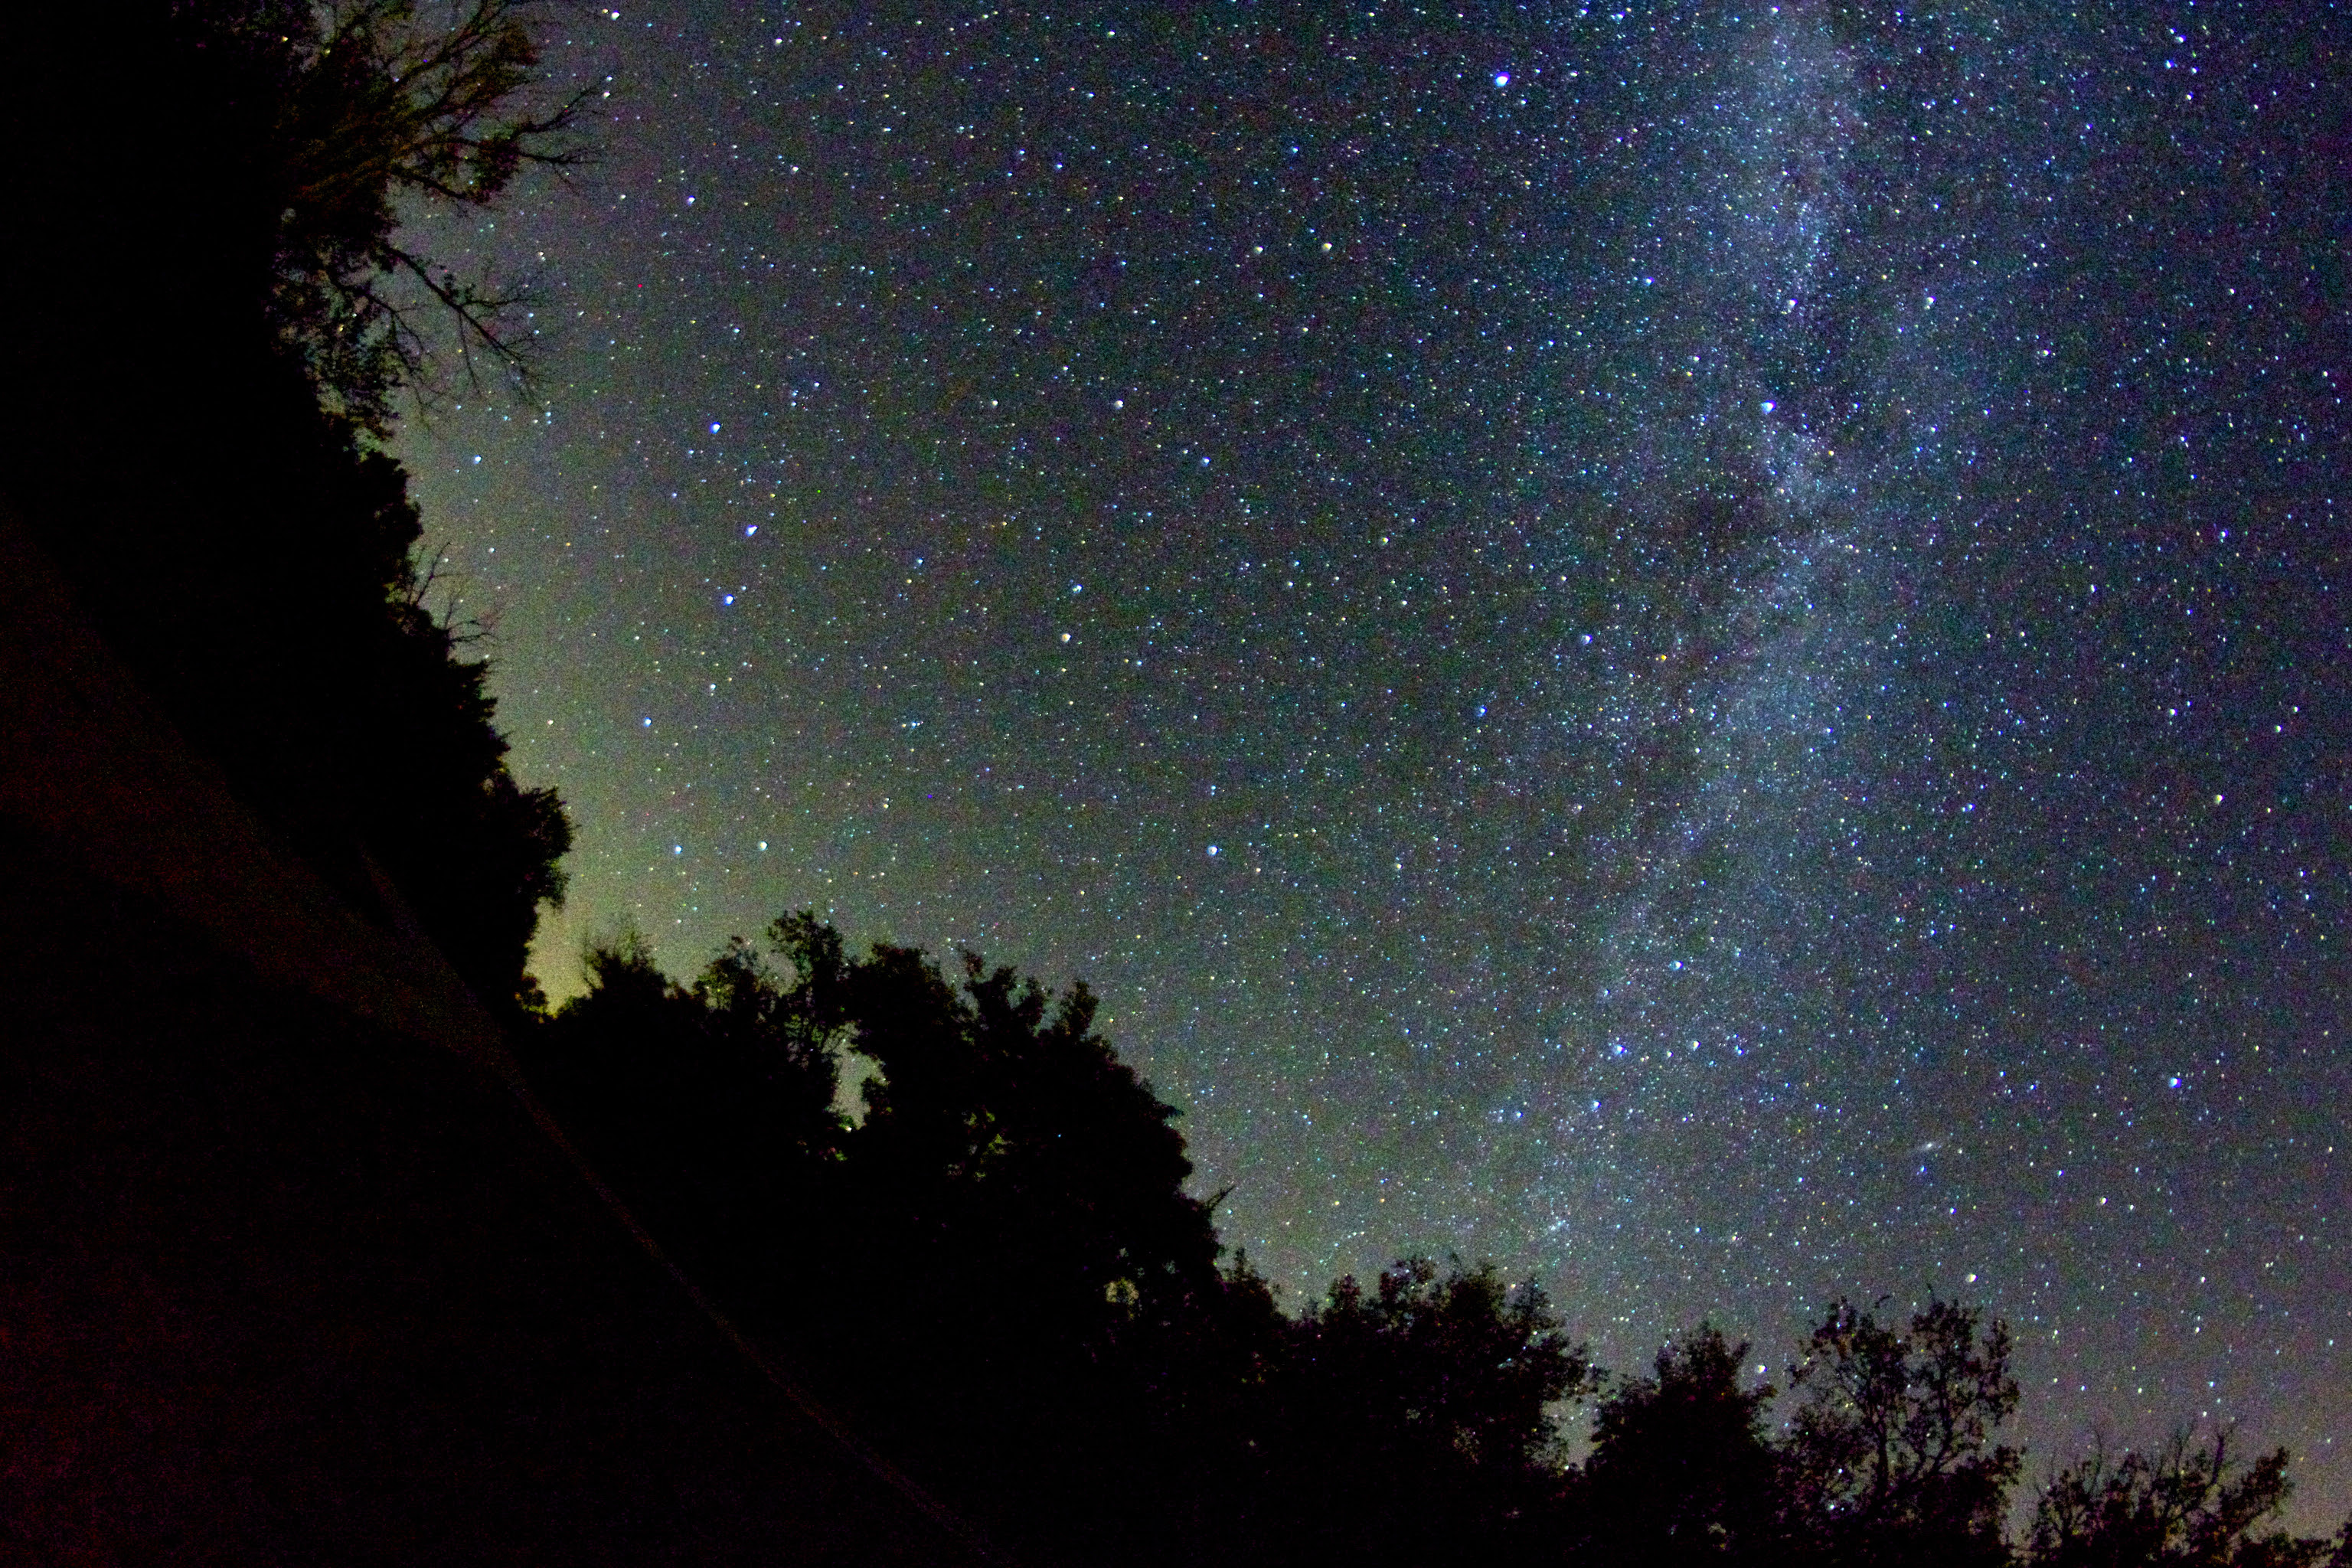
{"x":1701,"y":648}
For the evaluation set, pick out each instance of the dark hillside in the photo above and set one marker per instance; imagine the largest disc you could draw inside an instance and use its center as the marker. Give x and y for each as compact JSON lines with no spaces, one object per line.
{"x":287,"y":1274}
{"x":189,"y":441}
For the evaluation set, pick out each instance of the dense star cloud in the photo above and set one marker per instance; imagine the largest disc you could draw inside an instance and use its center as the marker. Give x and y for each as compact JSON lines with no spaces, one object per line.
{"x":1701,"y":648}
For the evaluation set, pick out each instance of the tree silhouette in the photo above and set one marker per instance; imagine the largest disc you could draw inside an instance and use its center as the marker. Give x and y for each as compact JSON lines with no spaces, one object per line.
{"x":710,"y":1107}
{"x":1416,"y":1416}
{"x":775,"y":1036}
{"x":1000,"y":1274}
{"x":381,"y":114}
{"x":198,"y":446}
{"x":1002,"y":1114}
{"x":2185,"y":1506}
{"x":1681,"y":1470}
{"x":1891,"y":1455}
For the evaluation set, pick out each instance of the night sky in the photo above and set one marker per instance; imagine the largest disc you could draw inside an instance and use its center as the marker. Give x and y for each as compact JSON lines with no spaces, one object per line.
{"x":1701,"y":648}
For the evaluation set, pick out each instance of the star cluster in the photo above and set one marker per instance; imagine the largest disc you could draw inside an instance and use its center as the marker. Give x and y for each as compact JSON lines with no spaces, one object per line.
{"x":1702,"y":648}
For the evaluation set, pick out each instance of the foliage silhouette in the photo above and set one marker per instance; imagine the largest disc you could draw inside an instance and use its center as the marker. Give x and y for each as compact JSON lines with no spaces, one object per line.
{"x":999,"y":1115}
{"x":1891,"y":1455}
{"x":1420,"y":1412}
{"x":377,"y":112}
{"x":1005,"y":1274}
{"x":2185,"y":1505}
{"x":999,"y":1266}
{"x":197,"y":447}
{"x":710,"y":1106}
{"x":1000,"y":1273}
{"x":1680,"y":1469}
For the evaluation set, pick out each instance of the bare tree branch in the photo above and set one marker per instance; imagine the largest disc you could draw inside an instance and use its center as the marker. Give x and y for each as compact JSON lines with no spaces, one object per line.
{"x":387,"y":111}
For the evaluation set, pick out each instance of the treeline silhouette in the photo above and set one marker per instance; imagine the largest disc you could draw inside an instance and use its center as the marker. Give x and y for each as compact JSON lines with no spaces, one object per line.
{"x":997,"y":1271}
{"x":213,"y":317}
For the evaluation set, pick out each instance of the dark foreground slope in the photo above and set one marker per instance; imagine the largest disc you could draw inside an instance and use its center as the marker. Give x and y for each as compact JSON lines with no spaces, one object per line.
{"x":287,"y":1274}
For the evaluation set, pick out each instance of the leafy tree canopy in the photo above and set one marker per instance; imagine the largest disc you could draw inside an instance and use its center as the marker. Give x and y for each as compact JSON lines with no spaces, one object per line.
{"x":1893,"y":1446}
{"x":223,"y":186}
{"x":2186,"y":1505}
{"x":1019,"y":1299}
{"x":1681,"y":1468}
{"x":384,"y":113}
